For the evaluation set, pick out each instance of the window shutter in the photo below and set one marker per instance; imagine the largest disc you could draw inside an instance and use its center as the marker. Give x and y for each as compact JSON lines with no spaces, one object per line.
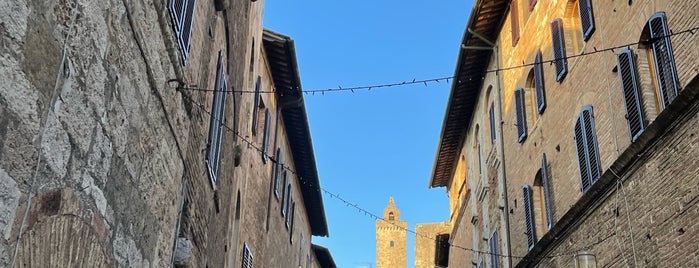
{"x":532,"y":4}
{"x":539,"y":84}
{"x":665,"y":72}
{"x":441,"y":256}
{"x":494,"y":250}
{"x":591,"y":142}
{"x":581,"y":149}
{"x":491,"y":114}
{"x":480,"y":160}
{"x":547,"y":192}
{"x":256,"y":105}
{"x":216,"y":122}
{"x":285,"y":196}
{"x":559,"y":49}
{"x":528,"y":216}
{"x":631,"y":90}
{"x":182,"y":16}
{"x":247,"y":256}
{"x":290,"y":219}
{"x":265,"y":139}
{"x":278,"y":168}
{"x":514,"y":22}
{"x":521,"y":115}
{"x":587,"y":20}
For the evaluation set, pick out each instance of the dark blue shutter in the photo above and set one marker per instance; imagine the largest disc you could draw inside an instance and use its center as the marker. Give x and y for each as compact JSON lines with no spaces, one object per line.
{"x":591,"y":142}
{"x":182,"y":16}
{"x":559,"y":49}
{"x":632,"y":95}
{"x":528,"y":216}
{"x":665,"y":72}
{"x":539,"y":84}
{"x":581,"y":149}
{"x":547,"y":192}
{"x":285,"y":196}
{"x":521,"y":115}
{"x":480,"y":162}
{"x":587,"y":20}
{"x":491,"y":114}
{"x":291,"y":227}
{"x":494,"y":251}
{"x":256,"y":105}
{"x":265,"y":139}
{"x":216,"y":122}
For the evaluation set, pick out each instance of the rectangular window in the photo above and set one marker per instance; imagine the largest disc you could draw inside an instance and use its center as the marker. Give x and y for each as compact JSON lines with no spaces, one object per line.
{"x":559,"y":49}
{"x":182,"y":17}
{"x":265,"y":138}
{"x":441,"y":256}
{"x":631,"y":91}
{"x":217,"y":121}
{"x":285,"y":197}
{"x":494,"y":250}
{"x":278,"y":168}
{"x":587,"y":149}
{"x":256,"y":105}
{"x":530,"y":231}
{"x":539,"y":84}
{"x":664,"y":60}
{"x":514,"y":22}
{"x":547,"y":193}
{"x":247,"y":256}
{"x":491,"y":116}
{"x":587,"y":21}
{"x":521,"y":114}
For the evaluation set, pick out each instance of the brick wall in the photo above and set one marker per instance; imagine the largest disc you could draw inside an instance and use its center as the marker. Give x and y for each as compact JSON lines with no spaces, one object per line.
{"x":425,"y":242}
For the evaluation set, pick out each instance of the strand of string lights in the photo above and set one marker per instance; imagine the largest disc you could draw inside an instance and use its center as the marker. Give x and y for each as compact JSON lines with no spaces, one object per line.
{"x":448,"y":78}
{"x":360,"y":209}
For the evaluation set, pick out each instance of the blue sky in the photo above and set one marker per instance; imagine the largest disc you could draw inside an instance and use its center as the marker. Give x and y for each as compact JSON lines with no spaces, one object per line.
{"x":371,"y":145}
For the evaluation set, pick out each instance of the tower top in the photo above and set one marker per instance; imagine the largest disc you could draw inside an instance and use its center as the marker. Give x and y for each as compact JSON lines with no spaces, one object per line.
{"x":391,"y":212}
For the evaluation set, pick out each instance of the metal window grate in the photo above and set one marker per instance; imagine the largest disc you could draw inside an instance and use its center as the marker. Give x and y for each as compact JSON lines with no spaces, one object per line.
{"x":631,"y":91}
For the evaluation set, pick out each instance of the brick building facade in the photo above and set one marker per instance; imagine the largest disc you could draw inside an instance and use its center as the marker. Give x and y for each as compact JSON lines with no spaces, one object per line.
{"x":114,"y":149}
{"x":591,"y":149}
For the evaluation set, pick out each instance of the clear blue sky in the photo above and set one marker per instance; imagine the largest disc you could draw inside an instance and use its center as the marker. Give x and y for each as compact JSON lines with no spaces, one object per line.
{"x":371,"y":145}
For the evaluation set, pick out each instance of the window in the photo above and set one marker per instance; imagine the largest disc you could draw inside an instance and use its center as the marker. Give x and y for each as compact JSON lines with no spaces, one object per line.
{"x":588,"y":152}
{"x":631,"y":91}
{"x":546,"y":193}
{"x":256,"y":105}
{"x":587,"y":20}
{"x":390,"y":216}
{"x":213,"y":155}
{"x":494,"y":250}
{"x":559,"y":49}
{"x":391,"y":244}
{"x":290,"y":222}
{"x":530,"y":231}
{"x":265,"y":139}
{"x":514,"y":22}
{"x":182,"y":15}
{"x":285,"y":197}
{"x":521,"y":115}
{"x":539,"y":84}
{"x":278,"y":168}
{"x":664,"y":60}
{"x":491,"y":117}
{"x":441,"y":256}
{"x":247,"y":256}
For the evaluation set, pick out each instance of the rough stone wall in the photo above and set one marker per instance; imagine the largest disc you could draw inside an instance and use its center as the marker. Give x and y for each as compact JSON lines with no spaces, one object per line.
{"x":425,"y":246}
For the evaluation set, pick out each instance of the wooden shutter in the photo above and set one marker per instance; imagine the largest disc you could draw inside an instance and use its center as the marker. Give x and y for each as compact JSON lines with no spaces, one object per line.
{"x":256,"y":105}
{"x":491,"y":115}
{"x":265,"y":139}
{"x":587,"y":21}
{"x":291,"y":224}
{"x":559,"y":49}
{"x":494,"y":250}
{"x":591,"y":142}
{"x":664,"y":60}
{"x":247,"y":256}
{"x":528,"y":216}
{"x":514,"y":22}
{"x":631,"y":91}
{"x":182,"y":16}
{"x":539,"y":84}
{"x":581,"y":149}
{"x":285,"y":195}
{"x":521,"y":115}
{"x":216,"y":123}
{"x":547,"y":192}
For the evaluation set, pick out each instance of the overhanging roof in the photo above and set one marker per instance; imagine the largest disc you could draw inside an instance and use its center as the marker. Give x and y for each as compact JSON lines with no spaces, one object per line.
{"x":485,"y":20}
{"x":281,"y":56}
{"x":323,"y":256}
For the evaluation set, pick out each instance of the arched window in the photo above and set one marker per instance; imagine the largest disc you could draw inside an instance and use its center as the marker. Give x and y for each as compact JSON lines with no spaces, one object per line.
{"x":390,"y":218}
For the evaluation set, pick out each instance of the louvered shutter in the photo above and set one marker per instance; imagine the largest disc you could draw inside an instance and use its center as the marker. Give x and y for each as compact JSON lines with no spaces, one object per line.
{"x":559,"y":49}
{"x":247,"y":257}
{"x":491,"y":114}
{"x":631,"y":90}
{"x":278,"y":171}
{"x":290,"y":222}
{"x":216,"y":123}
{"x":665,"y":72}
{"x":547,"y":192}
{"x":256,"y":105}
{"x":581,"y":149}
{"x":514,"y":22}
{"x":521,"y":115}
{"x":528,"y":216}
{"x":265,"y":139}
{"x":494,"y":250}
{"x":539,"y":84}
{"x":480,"y":161}
{"x":285,"y":196}
{"x":591,"y":142}
{"x":587,"y":20}
{"x":182,"y":16}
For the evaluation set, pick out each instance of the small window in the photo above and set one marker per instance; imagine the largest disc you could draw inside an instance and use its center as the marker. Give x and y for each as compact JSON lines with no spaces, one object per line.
{"x":587,"y":21}
{"x":559,"y":49}
{"x":391,"y":243}
{"x":217,"y":122}
{"x":256,"y":105}
{"x":530,"y":230}
{"x":278,"y":168}
{"x":390,"y":216}
{"x":247,"y":256}
{"x":545,"y":185}
{"x":663,"y":59}
{"x":539,"y":84}
{"x":521,"y":114}
{"x":587,"y":149}
{"x":631,"y":91}
{"x":514,"y":22}
{"x":491,"y":117}
{"x":494,"y":250}
{"x":182,"y":16}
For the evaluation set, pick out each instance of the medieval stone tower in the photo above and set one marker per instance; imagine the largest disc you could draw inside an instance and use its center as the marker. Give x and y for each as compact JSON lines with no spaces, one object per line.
{"x":391,"y":251}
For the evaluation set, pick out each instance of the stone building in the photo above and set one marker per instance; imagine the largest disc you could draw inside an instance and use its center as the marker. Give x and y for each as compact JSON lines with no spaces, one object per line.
{"x":123,"y":144}
{"x":391,"y":235}
{"x":571,"y":131}
{"x":322,"y":257}
{"x":425,"y":237}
